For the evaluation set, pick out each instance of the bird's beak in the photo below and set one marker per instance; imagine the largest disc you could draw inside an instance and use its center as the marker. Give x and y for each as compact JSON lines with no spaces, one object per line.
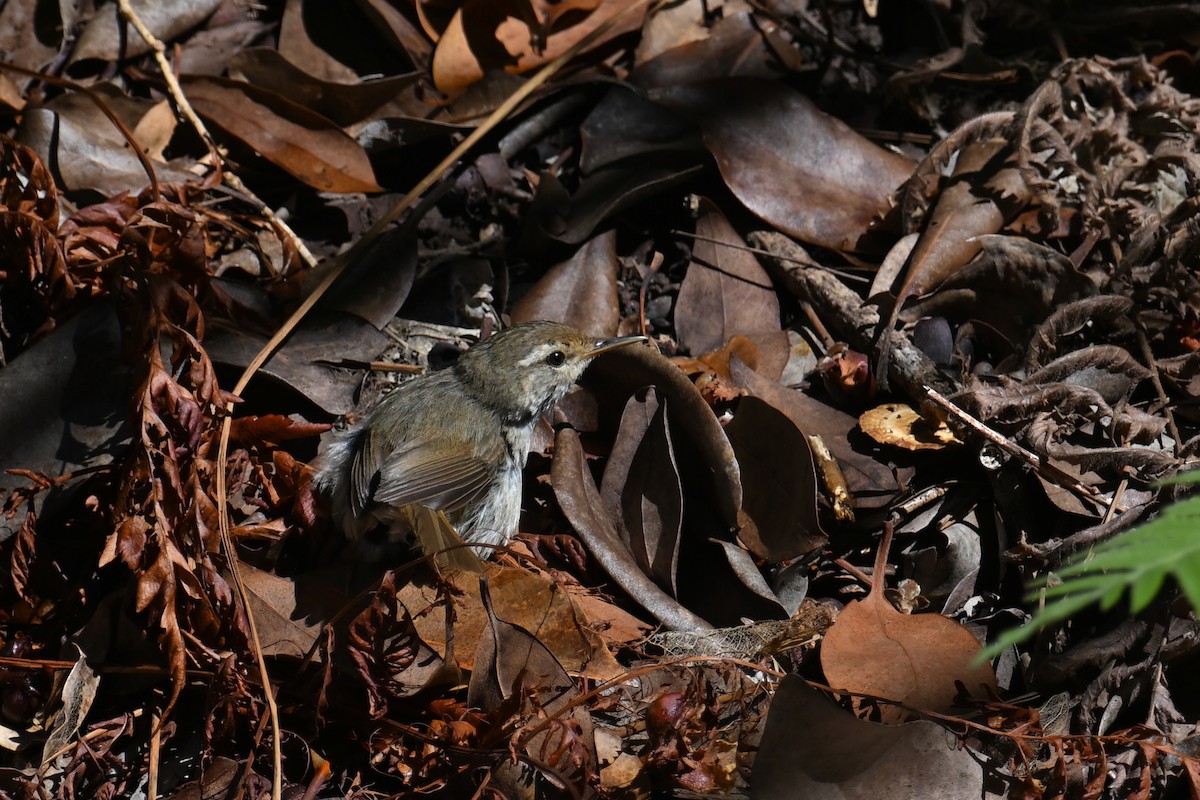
{"x":604,"y":345}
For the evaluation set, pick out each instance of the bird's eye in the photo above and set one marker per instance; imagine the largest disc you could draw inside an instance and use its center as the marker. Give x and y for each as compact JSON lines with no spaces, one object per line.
{"x":556,"y":359}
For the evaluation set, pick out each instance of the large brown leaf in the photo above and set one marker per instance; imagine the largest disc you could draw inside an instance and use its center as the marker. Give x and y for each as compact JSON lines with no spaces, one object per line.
{"x":813,"y":750}
{"x":581,"y":291}
{"x":580,"y":501}
{"x":914,"y":659}
{"x":488,"y":34}
{"x":800,"y":169}
{"x":779,"y":482}
{"x":641,"y":488}
{"x":726,"y":293}
{"x":343,"y":103}
{"x":305,"y":144}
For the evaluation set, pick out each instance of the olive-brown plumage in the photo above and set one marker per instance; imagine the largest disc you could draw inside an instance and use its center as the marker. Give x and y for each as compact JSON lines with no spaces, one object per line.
{"x":456,"y":441}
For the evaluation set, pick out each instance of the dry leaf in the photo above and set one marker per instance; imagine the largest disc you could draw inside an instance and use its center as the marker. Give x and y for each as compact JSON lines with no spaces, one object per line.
{"x":305,"y":144}
{"x":898,"y":424}
{"x":915,"y":659}
{"x":800,"y":169}
{"x":581,"y":291}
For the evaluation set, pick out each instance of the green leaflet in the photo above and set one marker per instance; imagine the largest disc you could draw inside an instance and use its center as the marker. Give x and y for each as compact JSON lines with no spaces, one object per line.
{"x":1138,"y":562}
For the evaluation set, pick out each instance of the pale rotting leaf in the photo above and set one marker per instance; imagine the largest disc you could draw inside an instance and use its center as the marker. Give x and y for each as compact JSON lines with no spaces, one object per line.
{"x":796,"y":167}
{"x":76,"y":694}
{"x":670,"y":26}
{"x":19,"y":39}
{"x":276,"y":604}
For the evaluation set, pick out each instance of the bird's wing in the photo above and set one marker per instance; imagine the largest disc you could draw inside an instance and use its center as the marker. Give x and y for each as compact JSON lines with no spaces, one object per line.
{"x":427,"y":474}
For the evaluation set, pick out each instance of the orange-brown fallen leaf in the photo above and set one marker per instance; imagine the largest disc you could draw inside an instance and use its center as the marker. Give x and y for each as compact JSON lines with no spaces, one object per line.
{"x":915,"y":659}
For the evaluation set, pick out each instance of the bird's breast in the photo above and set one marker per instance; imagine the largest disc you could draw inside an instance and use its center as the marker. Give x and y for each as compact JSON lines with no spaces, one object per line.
{"x":516,"y":444}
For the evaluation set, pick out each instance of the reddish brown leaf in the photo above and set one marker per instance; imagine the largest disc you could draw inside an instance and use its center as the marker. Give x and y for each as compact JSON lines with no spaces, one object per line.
{"x":23,"y":554}
{"x":131,"y":541}
{"x":913,"y":659}
{"x":26,"y":185}
{"x":726,"y":292}
{"x":485,"y":35}
{"x":779,"y":483}
{"x":581,"y":291}
{"x":303,"y":143}
{"x":272,"y":428}
{"x":801,"y":170}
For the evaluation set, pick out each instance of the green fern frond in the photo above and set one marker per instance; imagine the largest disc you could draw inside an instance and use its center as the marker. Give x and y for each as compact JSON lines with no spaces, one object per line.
{"x":1137,"y":562}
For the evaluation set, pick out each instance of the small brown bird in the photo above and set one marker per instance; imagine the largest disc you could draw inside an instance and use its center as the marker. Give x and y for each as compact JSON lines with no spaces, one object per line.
{"x":456,"y":442}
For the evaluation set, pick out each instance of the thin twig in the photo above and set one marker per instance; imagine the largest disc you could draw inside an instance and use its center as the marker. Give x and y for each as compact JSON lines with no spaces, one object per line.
{"x":758,"y":251}
{"x":155,"y":753}
{"x":818,"y":327}
{"x":1156,"y":378}
{"x":1039,"y":464}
